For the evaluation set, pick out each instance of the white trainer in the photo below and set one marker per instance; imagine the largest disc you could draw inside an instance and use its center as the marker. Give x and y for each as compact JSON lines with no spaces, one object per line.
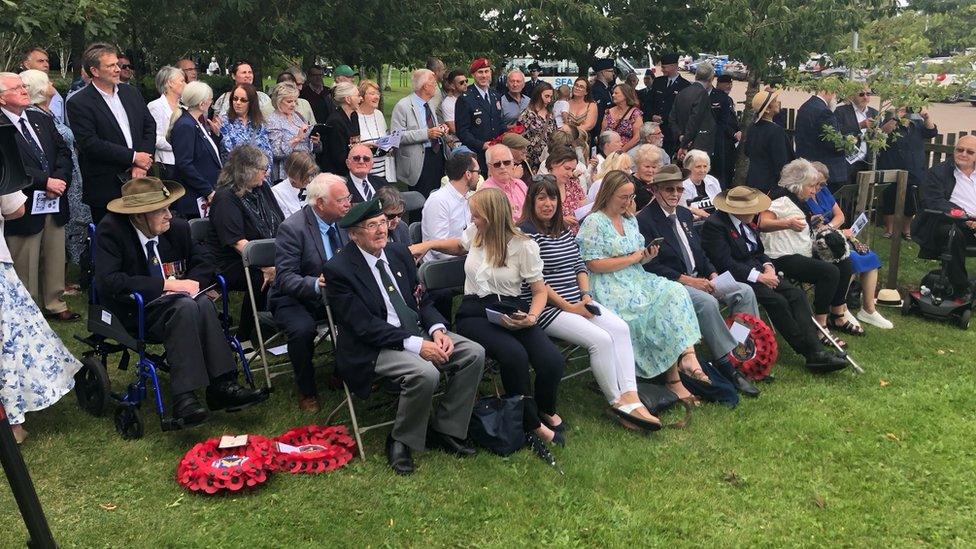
{"x":875,"y":319}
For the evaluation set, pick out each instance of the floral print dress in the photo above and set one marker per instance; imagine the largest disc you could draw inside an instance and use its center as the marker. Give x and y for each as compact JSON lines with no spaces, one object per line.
{"x":659,"y":312}
{"x":538,"y":130}
{"x":237,"y":133}
{"x":627,"y":125}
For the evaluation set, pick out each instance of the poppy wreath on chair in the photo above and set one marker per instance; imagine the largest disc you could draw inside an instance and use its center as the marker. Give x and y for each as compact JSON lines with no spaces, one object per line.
{"x":755,"y":356}
{"x":209,"y":469}
{"x":313,"y":449}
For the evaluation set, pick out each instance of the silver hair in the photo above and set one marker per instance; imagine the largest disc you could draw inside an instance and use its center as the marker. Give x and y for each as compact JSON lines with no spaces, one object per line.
{"x":798,"y":174}
{"x":243,"y":163}
{"x":705,"y":72}
{"x":419,"y":78}
{"x":196,"y":93}
{"x":283,"y":90}
{"x":648,"y":153}
{"x":604,"y":138}
{"x":513,"y":71}
{"x":5,"y":75}
{"x":321,"y":186}
{"x":36,"y":83}
{"x":343,"y":90}
{"x":694,"y":156}
{"x":492,"y":150}
{"x":647,"y":128}
{"x":164,"y":76}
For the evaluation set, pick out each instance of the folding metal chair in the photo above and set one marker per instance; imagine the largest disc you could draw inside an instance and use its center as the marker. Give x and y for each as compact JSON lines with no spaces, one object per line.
{"x":416,"y":233}
{"x":412,"y":200}
{"x":199,"y":229}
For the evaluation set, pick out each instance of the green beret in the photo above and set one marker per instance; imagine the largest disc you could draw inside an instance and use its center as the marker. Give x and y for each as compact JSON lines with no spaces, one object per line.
{"x":362,"y":211}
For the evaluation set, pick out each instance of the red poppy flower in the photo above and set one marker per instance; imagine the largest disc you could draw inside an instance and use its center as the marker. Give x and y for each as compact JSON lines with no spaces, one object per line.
{"x":209,"y":469}
{"x":757,"y":355}
{"x":313,"y":449}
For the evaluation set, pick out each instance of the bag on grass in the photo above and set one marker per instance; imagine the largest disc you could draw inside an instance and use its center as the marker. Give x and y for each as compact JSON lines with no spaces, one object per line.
{"x":721,"y":390}
{"x":496,"y":424}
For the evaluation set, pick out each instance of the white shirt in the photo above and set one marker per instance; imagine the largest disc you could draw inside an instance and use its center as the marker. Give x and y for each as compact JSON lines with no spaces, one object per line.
{"x":142,"y":241}
{"x":118,"y":111}
{"x":447,"y":108}
{"x":862,"y":149}
{"x":712,"y":188}
{"x":286,"y":196}
{"x":522,"y":264}
{"x":558,"y":109}
{"x":753,"y":274}
{"x":787,"y":241}
{"x":9,"y":203}
{"x":162,"y":113}
{"x":683,"y":238}
{"x":412,"y":343}
{"x":15,"y":120}
{"x":964,"y":193}
{"x":445,"y":215}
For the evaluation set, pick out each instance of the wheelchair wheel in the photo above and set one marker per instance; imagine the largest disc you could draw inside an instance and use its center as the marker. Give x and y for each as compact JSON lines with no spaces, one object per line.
{"x":92,"y":386}
{"x":964,"y":319}
{"x":128,"y":423}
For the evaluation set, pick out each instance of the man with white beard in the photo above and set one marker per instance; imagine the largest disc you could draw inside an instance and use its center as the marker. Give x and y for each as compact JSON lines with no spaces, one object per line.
{"x":813,"y":116}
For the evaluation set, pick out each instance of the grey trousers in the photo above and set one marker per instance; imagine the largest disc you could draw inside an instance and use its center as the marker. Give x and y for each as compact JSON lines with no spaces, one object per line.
{"x":418,"y":379}
{"x":710,"y":320}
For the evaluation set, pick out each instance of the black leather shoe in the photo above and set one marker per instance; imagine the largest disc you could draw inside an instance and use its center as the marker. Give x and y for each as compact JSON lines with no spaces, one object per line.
{"x":229,"y":396}
{"x":187,"y":407}
{"x":822,"y":362}
{"x":449,"y":444}
{"x":743,"y":385}
{"x":398,"y":456}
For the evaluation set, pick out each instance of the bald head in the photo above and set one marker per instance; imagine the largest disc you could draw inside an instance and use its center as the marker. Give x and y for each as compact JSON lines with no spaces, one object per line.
{"x":360,"y":160}
{"x":965,"y":153}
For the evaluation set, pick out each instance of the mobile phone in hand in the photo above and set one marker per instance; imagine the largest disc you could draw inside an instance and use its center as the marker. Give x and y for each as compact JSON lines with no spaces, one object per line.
{"x":593,"y":309}
{"x":518,"y":315}
{"x":656,"y":242}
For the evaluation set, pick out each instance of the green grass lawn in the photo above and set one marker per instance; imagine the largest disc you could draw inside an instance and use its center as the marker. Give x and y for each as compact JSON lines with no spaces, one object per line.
{"x":881,"y":459}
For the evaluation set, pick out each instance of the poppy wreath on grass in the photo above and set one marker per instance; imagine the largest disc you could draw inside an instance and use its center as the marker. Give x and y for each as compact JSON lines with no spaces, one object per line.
{"x":313,"y":449}
{"x":209,"y":469}
{"x":756,"y":356}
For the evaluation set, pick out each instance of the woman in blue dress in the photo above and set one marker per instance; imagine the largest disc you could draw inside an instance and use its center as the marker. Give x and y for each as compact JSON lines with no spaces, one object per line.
{"x":865,"y":264}
{"x":244,"y":125}
{"x":659,"y":312}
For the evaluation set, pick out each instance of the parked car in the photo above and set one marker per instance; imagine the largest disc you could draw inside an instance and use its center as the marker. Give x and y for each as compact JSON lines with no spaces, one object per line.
{"x":946,"y":73}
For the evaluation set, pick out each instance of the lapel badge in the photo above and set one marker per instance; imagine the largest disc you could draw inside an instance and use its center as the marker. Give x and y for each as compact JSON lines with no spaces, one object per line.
{"x":399,"y":275}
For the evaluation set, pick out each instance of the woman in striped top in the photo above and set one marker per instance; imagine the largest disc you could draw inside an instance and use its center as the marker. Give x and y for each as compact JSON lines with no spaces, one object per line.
{"x":569,"y":314}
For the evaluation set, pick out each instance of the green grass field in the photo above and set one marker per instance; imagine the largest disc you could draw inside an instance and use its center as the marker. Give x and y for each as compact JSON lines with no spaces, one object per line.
{"x":881,"y":459}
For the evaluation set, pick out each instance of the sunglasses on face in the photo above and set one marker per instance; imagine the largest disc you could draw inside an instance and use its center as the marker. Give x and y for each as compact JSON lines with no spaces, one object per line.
{"x":390,"y":216}
{"x":361,"y":158}
{"x":240,"y":100}
{"x":125,"y":67}
{"x":501,"y":163}
{"x":864,"y":94}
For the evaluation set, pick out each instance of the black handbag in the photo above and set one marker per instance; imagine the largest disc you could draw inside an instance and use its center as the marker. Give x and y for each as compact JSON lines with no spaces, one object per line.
{"x":496,"y":424}
{"x":721,"y":390}
{"x":658,"y":399}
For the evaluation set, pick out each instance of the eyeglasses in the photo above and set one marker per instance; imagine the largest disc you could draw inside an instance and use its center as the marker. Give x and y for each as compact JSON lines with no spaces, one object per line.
{"x":677,"y":190}
{"x":240,"y":100}
{"x":125,"y":67}
{"x":961,"y":150}
{"x":501,"y":163}
{"x":864,"y":94}
{"x":372,"y":226}
{"x":475,"y":170}
{"x":393,"y":215}
{"x":344,"y":199}
{"x":627,"y":197}
{"x":360,"y":158}
{"x":18,"y":87}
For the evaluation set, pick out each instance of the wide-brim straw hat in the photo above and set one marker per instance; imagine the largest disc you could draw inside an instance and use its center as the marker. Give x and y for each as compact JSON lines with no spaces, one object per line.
{"x":146,"y":194}
{"x":762,"y":100}
{"x":742,"y":201}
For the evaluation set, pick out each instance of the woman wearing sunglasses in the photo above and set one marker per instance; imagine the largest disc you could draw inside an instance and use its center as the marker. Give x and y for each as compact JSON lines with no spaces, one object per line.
{"x":393,"y":208}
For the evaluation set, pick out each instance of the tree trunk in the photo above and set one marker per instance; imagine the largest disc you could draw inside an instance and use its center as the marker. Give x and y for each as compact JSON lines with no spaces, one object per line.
{"x":381,"y":84}
{"x":77,"y":48}
{"x":745,"y":123}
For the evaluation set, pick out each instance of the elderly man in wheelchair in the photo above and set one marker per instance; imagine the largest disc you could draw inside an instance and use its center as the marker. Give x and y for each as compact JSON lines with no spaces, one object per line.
{"x":141,"y":249}
{"x":948,"y":219}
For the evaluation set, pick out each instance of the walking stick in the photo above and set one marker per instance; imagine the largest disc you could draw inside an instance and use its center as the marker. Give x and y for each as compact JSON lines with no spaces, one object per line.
{"x":23,"y":488}
{"x":833,"y":342}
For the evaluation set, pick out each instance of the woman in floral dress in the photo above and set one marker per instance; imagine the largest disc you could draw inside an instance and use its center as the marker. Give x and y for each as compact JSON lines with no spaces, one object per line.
{"x":539,"y":124}
{"x":625,"y":117}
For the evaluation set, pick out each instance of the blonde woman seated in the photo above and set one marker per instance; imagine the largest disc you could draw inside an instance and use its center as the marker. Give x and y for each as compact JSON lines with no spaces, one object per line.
{"x":700,"y":187}
{"x":660,"y":314}
{"x":572,"y":315}
{"x":647,"y":161}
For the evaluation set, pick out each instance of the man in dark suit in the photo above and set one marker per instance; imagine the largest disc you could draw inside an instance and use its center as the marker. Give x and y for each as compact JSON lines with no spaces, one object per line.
{"x":603,"y":82}
{"x":731,"y":241}
{"x":680,"y":258}
{"x":691,"y":122}
{"x":949,"y":186}
{"x":646,"y":95}
{"x":386,"y":331}
{"x":36,"y":240}
{"x":362,"y":186}
{"x":727,"y":132}
{"x":478,"y":113}
{"x":305,"y":241}
{"x":115,"y":133}
{"x":663,"y":91}
{"x":816,"y":113}
{"x":854,"y":118}
{"x":142,"y":248}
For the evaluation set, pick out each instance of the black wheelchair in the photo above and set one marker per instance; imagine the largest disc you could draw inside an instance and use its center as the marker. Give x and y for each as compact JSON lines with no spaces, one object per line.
{"x":108,"y":336}
{"x":935,"y":297}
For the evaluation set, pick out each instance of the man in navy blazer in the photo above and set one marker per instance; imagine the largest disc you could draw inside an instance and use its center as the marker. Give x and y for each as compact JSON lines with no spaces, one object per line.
{"x":195,"y":152}
{"x":816,"y":114}
{"x":387,"y":329}
{"x":362,"y":186}
{"x":114,"y":131}
{"x":730,"y":238}
{"x":478,"y":113}
{"x":680,"y":258}
{"x":36,"y":240}
{"x":304,"y":243}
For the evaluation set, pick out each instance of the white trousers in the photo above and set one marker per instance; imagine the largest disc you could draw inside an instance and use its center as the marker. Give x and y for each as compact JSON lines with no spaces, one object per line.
{"x":607,"y":338}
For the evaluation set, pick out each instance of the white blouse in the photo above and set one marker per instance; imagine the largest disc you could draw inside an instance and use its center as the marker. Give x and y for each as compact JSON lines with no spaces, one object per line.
{"x":787,"y":241}
{"x":371,"y":127}
{"x":9,"y":203}
{"x":522,"y":263}
{"x":161,"y":112}
{"x":287,"y":197}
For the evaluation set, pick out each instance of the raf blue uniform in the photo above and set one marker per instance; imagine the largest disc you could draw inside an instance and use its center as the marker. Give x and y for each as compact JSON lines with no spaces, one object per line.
{"x":478,"y":121}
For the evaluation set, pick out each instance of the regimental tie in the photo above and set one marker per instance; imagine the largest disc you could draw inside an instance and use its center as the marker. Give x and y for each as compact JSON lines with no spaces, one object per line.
{"x":152,"y":261}
{"x":435,"y":144}
{"x":409,"y":319}
{"x":689,"y":268}
{"x":745,"y":234}
{"x":33,"y":144}
{"x":367,"y":192}
{"x":332,"y":233}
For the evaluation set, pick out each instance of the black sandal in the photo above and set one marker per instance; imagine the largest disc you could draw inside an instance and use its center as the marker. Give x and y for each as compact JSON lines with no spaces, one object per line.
{"x":847,"y":327}
{"x":825,"y":340}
